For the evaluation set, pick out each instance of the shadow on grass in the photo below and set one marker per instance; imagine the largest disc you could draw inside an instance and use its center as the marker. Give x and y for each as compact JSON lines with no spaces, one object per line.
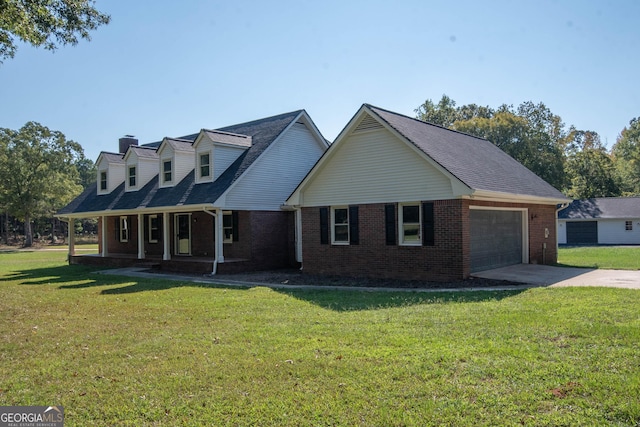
{"x":337,"y":300}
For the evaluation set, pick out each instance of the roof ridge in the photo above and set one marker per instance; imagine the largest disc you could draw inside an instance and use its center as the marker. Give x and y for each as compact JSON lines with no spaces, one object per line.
{"x":423,"y":122}
{"x":277,"y":116}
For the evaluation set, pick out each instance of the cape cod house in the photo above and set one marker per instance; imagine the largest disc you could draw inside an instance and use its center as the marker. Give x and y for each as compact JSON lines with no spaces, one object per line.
{"x":206,"y":202}
{"x":395,"y":197}
{"x":600,"y":221}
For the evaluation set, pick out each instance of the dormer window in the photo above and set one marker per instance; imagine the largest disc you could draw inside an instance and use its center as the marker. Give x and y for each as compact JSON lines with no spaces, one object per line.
{"x":166,"y":171}
{"x":205,"y":165}
{"x":103,"y":181}
{"x":132,"y":176}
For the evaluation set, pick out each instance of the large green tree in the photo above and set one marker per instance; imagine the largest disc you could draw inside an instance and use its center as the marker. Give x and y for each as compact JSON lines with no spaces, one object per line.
{"x":46,"y":23}
{"x":531,"y":134}
{"x":626,"y":152}
{"x":41,"y":174}
{"x":590,"y":169}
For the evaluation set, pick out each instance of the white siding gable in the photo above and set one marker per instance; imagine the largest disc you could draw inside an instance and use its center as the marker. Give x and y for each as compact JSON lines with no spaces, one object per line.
{"x":146,"y":169}
{"x":115,"y":174}
{"x":276,"y":173}
{"x":375,"y":166}
{"x":182,"y":162}
{"x":221,"y":153}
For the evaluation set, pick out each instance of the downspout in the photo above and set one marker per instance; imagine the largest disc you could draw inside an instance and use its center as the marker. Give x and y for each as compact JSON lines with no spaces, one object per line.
{"x":215,"y":246}
{"x":544,"y":249}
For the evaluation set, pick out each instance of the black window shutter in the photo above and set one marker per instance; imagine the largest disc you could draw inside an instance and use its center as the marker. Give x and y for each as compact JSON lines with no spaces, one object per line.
{"x":390,"y":223}
{"x":354,"y":236}
{"x":324,"y":226}
{"x":234,"y":226}
{"x":428,"y":228}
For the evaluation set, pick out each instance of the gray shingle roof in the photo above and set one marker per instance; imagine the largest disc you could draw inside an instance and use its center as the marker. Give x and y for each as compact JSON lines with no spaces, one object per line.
{"x":142,"y":151}
{"x":228,"y":138}
{"x":112,"y":157}
{"x":262,"y":132}
{"x":605,"y":207}
{"x":475,"y":161}
{"x":180,"y":144}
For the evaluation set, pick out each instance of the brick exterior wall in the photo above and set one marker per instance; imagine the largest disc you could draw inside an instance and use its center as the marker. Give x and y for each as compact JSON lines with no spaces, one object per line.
{"x":265,"y":241}
{"x":447,"y":259}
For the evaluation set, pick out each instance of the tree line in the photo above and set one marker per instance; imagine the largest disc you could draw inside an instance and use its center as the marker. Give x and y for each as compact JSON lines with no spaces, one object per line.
{"x":574,"y":161}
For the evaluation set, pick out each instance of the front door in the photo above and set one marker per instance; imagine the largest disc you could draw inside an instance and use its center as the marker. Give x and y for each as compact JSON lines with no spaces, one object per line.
{"x":183,"y":234}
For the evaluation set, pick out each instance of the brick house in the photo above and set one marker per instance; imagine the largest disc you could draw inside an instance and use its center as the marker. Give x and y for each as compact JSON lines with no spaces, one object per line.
{"x":395,"y":197}
{"x":206,"y":202}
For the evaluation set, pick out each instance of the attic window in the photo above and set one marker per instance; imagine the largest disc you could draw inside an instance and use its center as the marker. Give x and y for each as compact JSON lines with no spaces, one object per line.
{"x":166,"y":171}
{"x":205,"y":165}
{"x":368,"y":123}
{"x":132,"y":176}
{"x":103,"y":180}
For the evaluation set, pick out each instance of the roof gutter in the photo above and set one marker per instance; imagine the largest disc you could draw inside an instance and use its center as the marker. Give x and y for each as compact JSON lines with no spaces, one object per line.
{"x":154,"y":210}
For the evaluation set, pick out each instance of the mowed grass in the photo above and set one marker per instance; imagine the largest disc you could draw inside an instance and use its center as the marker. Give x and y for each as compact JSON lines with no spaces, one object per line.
{"x":606,"y":257}
{"x":117,"y":351}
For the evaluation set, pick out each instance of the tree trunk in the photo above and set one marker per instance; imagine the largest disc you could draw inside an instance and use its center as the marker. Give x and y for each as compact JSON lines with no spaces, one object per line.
{"x":6,"y":228}
{"x":28,"y":235}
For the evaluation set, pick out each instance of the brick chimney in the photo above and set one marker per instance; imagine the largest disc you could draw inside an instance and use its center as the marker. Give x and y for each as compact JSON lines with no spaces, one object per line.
{"x":125,"y":142}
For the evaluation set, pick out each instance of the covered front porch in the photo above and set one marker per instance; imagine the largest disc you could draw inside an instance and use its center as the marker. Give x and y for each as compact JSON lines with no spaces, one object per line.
{"x":170,"y":240}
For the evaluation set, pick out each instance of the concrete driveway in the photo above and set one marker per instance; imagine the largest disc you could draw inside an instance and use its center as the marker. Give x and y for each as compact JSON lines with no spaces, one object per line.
{"x":545,"y":275}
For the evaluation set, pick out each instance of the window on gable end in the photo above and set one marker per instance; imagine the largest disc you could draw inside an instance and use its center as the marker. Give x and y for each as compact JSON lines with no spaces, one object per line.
{"x":132,"y":176}
{"x":205,"y":165}
{"x":103,"y":180}
{"x":166,"y":171}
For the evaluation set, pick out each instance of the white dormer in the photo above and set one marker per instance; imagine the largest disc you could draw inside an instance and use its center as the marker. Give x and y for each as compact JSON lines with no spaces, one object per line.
{"x":215,"y":151}
{"x":176,"y":161}
{"x":141,"y":165}
{"x":110,"y":172}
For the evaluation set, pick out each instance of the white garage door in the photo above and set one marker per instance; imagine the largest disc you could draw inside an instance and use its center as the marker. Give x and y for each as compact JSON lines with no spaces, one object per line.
{"x":496,"y":239}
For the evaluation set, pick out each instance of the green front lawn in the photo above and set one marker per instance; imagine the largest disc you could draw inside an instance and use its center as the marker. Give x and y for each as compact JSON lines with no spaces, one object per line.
{"x":122,"y":351}
{"x":607,"y":257}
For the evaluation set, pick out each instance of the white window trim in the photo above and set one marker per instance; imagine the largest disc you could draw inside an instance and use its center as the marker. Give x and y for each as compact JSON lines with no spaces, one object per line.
{"x":401,"y":241}
{"x":134,"y":176}
{"x":162,"y":172}
{"x":224,"y":235}
{"x":106,"y":180}
{"x":201,"y":178}
{"x":333,"y":226}
{"x":152,"y":240}
{"x":124,"y":227}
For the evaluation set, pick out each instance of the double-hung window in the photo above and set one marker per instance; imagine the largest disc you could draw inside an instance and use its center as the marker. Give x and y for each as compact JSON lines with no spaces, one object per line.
{"x":340,"y":226}
{"x":124,"y":229}
{"x":628,"y":225}
{"x":205,"y":165}
{"x":103,"y":180}
{"x":166,"y":171}
{"x":410,"y":224}
{"x":154,"y":229}
{"x":227,"y":227}
{"x":132,"y":176}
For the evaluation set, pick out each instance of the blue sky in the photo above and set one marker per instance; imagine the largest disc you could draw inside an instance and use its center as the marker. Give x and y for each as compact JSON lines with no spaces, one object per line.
{"x":168,"y":68}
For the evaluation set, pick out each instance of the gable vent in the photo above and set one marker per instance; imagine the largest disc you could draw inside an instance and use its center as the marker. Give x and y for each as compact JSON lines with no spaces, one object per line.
{"x":368,"y":123}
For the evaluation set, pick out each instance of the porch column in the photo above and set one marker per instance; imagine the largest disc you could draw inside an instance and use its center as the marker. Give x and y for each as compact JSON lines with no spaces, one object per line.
{"x":72,"y":237}
{"x":219,"y":235}
{"x":105,"y":250}
{"x":166,"y":239}
{"x":140,"y":236}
